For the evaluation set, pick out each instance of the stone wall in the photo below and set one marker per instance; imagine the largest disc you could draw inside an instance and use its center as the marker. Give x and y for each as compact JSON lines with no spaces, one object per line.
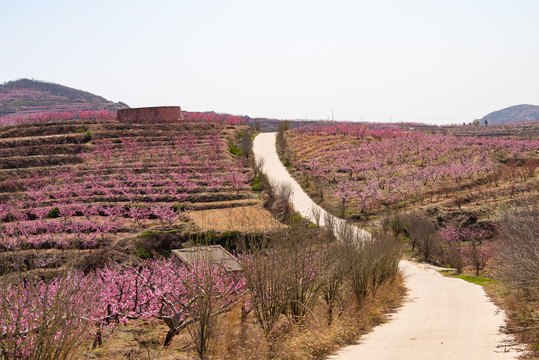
{"x":150,"y":115}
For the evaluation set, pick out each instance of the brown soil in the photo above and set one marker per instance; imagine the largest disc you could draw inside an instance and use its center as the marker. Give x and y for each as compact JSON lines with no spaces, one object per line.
{"x":29,"y":149}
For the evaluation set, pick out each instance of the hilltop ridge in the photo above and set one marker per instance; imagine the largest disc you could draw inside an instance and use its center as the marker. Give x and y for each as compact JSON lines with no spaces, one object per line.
{"x":513,"y":114}
{"x":26,"y":97}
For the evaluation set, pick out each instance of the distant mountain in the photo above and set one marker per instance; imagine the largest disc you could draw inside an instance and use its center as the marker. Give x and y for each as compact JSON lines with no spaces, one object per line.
{"x":26,"y":97}
{"x":513,"y":114}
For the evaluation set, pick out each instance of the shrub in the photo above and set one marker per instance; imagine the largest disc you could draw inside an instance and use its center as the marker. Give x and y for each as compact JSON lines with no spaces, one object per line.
{"x":518,"y":251}
{"x":158,"y":242}
{"x":88,"y":136}
{"x":284,"y":274}
{"x":53,"y":213}
{"x":423,"y":234}
{"x":368,"y":263}
{"x":257,"y":185}
{"x":235,"y":150}
{"x":246,"y":144}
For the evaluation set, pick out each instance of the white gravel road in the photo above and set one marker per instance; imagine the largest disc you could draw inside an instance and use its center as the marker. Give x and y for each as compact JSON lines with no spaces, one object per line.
{"x":443,"y":318}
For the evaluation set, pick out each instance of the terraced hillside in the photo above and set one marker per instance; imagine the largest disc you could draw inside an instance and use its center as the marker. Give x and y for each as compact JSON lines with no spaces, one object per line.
{"x":71,"y":187}
{"x":25,"y":98}
{"x":358,"y":171}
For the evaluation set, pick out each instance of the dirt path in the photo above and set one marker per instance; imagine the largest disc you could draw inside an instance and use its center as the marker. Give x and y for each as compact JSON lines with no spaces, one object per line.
{"x":444,"y":318}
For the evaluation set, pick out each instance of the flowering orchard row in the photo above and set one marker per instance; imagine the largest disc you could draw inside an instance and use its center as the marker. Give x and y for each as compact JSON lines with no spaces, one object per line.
{"x":120,"y":181}
{"x":27,"y":94}
{"x":37,"y":315}
{"x":48,"y":115}
{"x":285,"y":274}
{"x":224,"y":119}
{"x":280,"y":280}
{"x":370,"y":168}
{"x":467,"y":244}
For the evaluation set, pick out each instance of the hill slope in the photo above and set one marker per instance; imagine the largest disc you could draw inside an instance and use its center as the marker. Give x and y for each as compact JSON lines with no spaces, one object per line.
{"x":513,"y":114}
{"x":26,"y":97}
{"x":118,"y":181}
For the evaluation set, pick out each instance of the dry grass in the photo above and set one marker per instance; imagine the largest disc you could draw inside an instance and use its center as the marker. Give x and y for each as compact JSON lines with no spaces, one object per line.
{"x":241,"y":218}
{"x":522,"y":316}
{"x":316,"y":339}
{"x":237,"y":339}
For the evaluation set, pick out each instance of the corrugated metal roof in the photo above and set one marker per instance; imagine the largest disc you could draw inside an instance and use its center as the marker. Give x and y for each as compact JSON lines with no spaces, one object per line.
{"x":215,"y":254}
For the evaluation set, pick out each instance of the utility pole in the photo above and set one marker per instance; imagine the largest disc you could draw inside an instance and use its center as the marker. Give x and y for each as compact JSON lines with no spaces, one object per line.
{"x":332,"y":119}
{"x":390,"y":118}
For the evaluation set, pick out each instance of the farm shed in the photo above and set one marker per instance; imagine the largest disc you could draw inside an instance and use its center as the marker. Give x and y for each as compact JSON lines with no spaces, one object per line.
{"x":215,"y":254}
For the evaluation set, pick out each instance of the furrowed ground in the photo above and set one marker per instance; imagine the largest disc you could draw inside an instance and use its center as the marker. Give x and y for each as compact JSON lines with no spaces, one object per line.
{"x":69,"y":188}
{"x":359,"y":172}
{"x":468,"y":202}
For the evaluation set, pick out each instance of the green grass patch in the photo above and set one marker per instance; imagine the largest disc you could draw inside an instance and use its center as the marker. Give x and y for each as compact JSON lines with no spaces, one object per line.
{"x":409,"y":252}
{"x":235,"y":150}
{"x":148,"y":234}
{"x":257,"y":185}
{"x":478,"y":280}
{"x":142,"y":253}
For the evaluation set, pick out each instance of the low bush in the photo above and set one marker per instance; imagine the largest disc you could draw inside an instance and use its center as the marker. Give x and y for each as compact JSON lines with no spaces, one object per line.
{"x":518,"y":251}
{"x":53,"y":213}
{"x":235,"y":150}
{"x":256,"y":185}
{"x":152,"y":243}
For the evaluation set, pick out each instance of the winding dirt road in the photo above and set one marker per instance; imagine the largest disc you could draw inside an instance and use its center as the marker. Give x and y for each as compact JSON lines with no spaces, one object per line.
{"x":443,"y":318}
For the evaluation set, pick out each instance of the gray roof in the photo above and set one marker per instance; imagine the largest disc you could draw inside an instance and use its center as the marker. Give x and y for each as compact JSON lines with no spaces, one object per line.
{"x":215,"y":254}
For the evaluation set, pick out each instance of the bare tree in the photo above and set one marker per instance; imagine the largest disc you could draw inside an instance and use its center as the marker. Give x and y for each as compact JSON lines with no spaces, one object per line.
{"x":284,"y":194}
{"x":246,"y":144}
{"x":335,"y":276}
{"x":424,"y":234}
{"x":317,"y":215}
{"x":282,"y":145}
{"x":330,"y":227}
{"x":396,"y":223}
{"x":258,"y":125}
{"x":518,"y":250}
{"x":284,"y":275}
{"x":256,"y":164}
{"x":269,"y":188}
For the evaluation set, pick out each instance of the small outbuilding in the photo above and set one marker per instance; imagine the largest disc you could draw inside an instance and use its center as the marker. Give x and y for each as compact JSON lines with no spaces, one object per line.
{"x":215,"y":254}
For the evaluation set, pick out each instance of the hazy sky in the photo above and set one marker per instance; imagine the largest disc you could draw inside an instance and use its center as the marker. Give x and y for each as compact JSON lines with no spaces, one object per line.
{"x":431,"y":61}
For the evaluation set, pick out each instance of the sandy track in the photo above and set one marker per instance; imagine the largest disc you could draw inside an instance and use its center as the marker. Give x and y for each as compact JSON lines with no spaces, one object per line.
{"x":443,"y":318}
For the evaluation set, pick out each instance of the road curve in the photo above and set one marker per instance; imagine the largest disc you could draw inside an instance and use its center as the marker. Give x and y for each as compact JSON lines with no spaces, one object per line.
{"x":264,"y":147}
{"x":443,"y":318}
